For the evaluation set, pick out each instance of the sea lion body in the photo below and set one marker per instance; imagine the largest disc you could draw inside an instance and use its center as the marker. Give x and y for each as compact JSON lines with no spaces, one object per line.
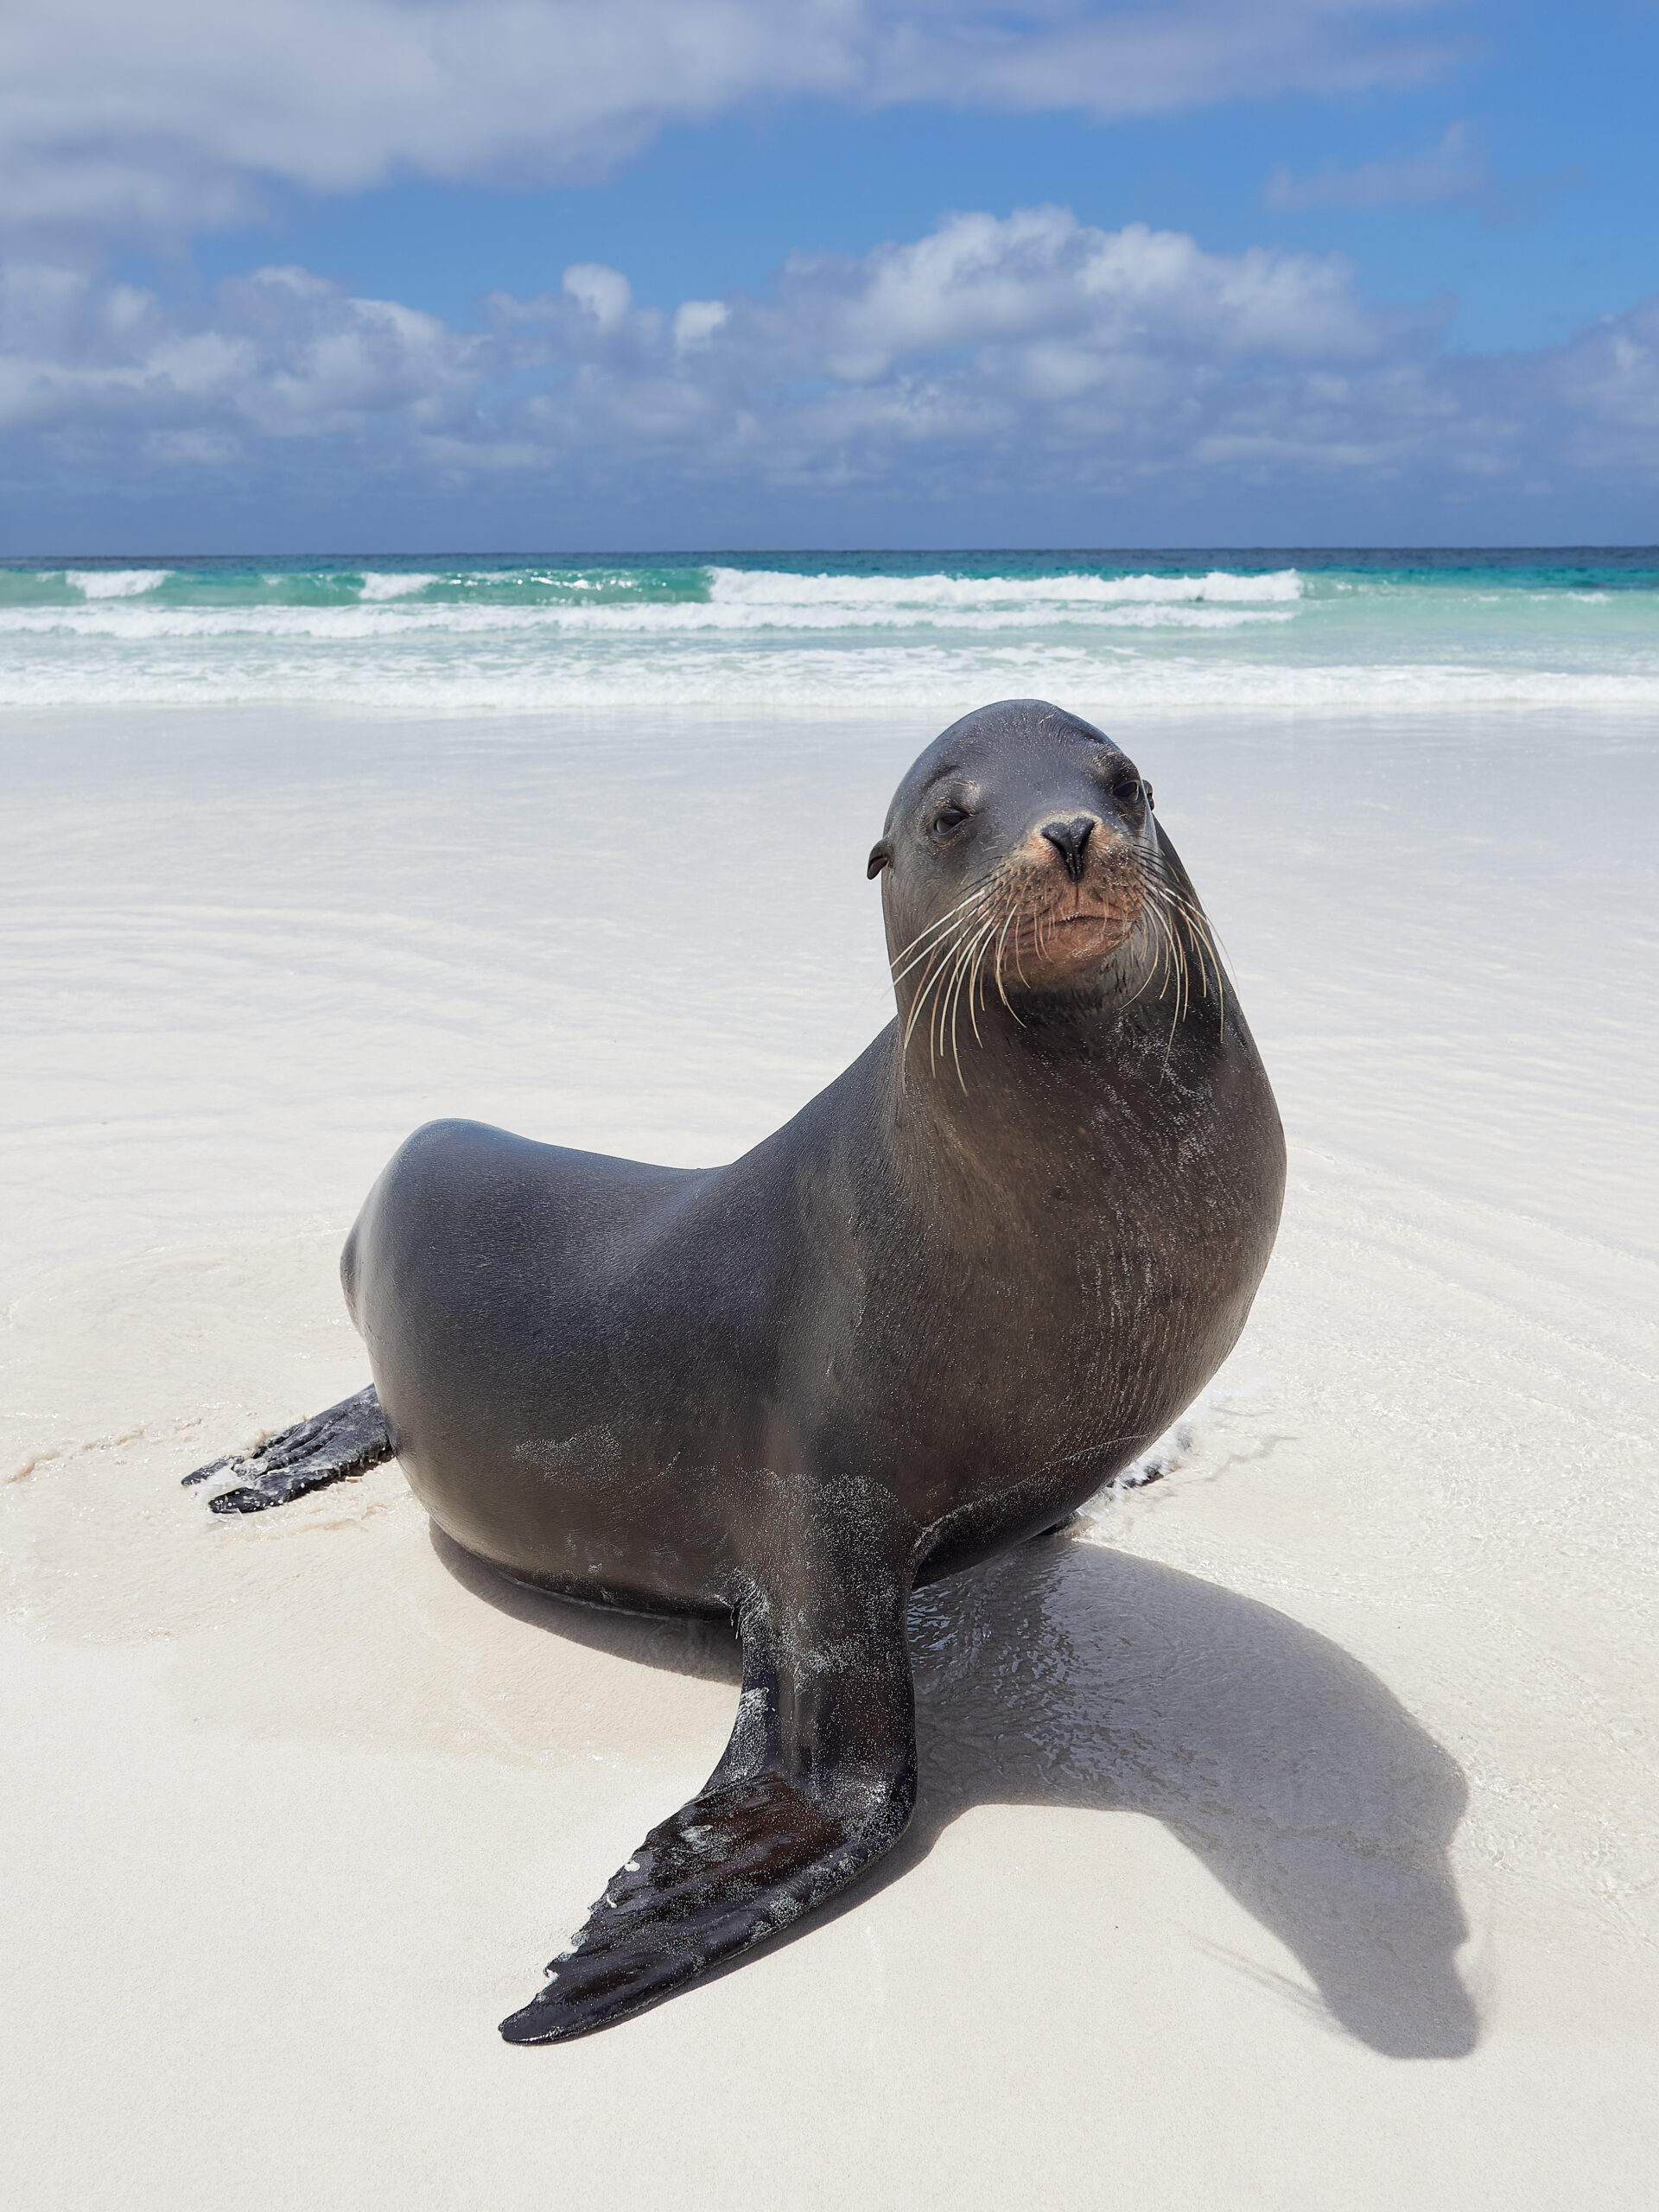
{"x":966,"y":1285}
{"x":586,"y":1365}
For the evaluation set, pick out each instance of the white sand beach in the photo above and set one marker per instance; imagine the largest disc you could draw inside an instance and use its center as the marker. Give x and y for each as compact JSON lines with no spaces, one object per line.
{"x":1289,"y":1829}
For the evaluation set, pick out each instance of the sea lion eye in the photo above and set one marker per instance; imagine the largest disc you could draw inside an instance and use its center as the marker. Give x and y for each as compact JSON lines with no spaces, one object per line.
{"x":1128,"y":791}
{"x":947,"y":819}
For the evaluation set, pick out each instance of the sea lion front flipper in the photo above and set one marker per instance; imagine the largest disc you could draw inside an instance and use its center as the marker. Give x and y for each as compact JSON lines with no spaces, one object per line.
{"x":348,"y":1439}
{"x":818,"y":1779}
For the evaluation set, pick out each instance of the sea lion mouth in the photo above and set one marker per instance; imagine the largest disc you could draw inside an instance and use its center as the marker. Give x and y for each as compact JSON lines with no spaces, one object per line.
{"x":1054,"y":944}
{"x":1077,"y":927}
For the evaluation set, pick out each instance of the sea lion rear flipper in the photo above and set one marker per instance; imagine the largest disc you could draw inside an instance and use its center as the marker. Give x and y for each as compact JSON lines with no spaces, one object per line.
{"x":348,"y":1439}
{"x":818,"y":1779}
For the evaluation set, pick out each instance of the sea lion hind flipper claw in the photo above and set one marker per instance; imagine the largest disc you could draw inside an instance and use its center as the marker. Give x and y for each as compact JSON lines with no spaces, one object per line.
{"x":346,"y":1440}
{"x":735,"y":1866}
{"x":818,"y":1780}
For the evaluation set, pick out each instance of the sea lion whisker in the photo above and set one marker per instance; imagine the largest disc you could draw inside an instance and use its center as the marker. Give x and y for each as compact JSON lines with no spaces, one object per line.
{"x":1155,"y":954}
{"x":1013,"y":917}
{"x":1201,"y":930}
{"x":922,"y":991}
{"x":1204,"y":933}
{"x":1169,"y":976}
{"x":1189,"y":911}
{"x":935,"y":977}
{"x":1139,"y":930}
{"x":936,"y":1013}
{"x":938,"y":985}
{"x":1204,"y":952}
{"x":991,"y":958}
{"x":965,"y":988}
{"x":1184,"y":981}
{"x":1195,"y":938}
{"x":910,"y":967}
{"x":999,"y":923}
{"x":1186,"y":899}
{"x":939,"y":921}
{"x":941,"y":927}
{"x":954,"y":995}
{"x":976,"y":952}
{"x":1177,"y":973}
{"x":1208,"y":943}
{"x":942,"y":975}
{"x":948,"y":1001}
{"x":1166,"y":945}
{"x":983,"y":970}
{"x":977,"y":978}
{"x":1179,"y":979}
{"x":946,"y":922}
{"x":917,"y":949}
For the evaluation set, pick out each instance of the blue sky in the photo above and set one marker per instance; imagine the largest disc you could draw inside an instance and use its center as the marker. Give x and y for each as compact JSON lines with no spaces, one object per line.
{"x":298,"y":275}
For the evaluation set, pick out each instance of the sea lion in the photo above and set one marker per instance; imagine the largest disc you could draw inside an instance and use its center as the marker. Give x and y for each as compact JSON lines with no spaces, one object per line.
{"x":964,"y":1287}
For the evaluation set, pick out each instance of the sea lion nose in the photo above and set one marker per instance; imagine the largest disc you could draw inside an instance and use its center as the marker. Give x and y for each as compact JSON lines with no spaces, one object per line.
{"x":1070,"y":840}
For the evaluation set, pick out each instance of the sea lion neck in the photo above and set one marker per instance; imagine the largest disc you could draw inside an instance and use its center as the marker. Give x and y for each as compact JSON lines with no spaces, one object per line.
{"x":1018,"y":1088}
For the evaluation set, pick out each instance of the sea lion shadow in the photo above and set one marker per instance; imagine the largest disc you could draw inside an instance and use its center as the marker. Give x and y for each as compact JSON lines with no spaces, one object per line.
{"x":1067,"y":1672}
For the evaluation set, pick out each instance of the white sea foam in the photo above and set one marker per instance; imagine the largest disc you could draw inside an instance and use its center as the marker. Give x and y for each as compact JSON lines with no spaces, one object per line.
{"x":950,"y":604}
{"x":872,"y":597}
{"x":115,"y":583}
{"x":378,"y":584}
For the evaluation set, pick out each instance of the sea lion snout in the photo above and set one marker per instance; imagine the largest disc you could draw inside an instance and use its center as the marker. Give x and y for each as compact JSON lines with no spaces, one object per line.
{"x":1070,"y":840}
{"x":1078,"y":891}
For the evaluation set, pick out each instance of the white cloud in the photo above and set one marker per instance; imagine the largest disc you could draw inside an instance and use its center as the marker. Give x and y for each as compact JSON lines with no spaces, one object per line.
{"x":1033,"y":358}
{"x":605,"y":293}
{"x":695,"y":322}
{"x":181,"y":115}
{"x":1455,"y":169}
{"x":110,"y":369}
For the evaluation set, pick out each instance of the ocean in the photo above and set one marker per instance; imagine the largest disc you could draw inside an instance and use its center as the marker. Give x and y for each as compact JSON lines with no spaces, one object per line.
{"x":1201,"y":626}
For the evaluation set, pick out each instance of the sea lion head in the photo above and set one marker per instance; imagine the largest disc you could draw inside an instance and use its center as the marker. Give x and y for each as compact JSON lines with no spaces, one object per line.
{"x":1019,"y":858}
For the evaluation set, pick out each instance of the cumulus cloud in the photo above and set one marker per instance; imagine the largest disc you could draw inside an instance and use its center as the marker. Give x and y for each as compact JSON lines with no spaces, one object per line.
{"x":605,"y":293}
{"x":91,"y":369}
{"x":1033,"y":358}
{"x":182,"y":115}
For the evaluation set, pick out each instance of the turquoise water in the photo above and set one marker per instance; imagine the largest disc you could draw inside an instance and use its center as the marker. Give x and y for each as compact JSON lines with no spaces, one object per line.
{"x":1200,"y":627}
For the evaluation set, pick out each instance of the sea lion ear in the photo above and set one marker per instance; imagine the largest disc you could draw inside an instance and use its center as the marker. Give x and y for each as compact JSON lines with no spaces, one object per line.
{"x":1147,"y":788}
{"x":881,"y":857}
